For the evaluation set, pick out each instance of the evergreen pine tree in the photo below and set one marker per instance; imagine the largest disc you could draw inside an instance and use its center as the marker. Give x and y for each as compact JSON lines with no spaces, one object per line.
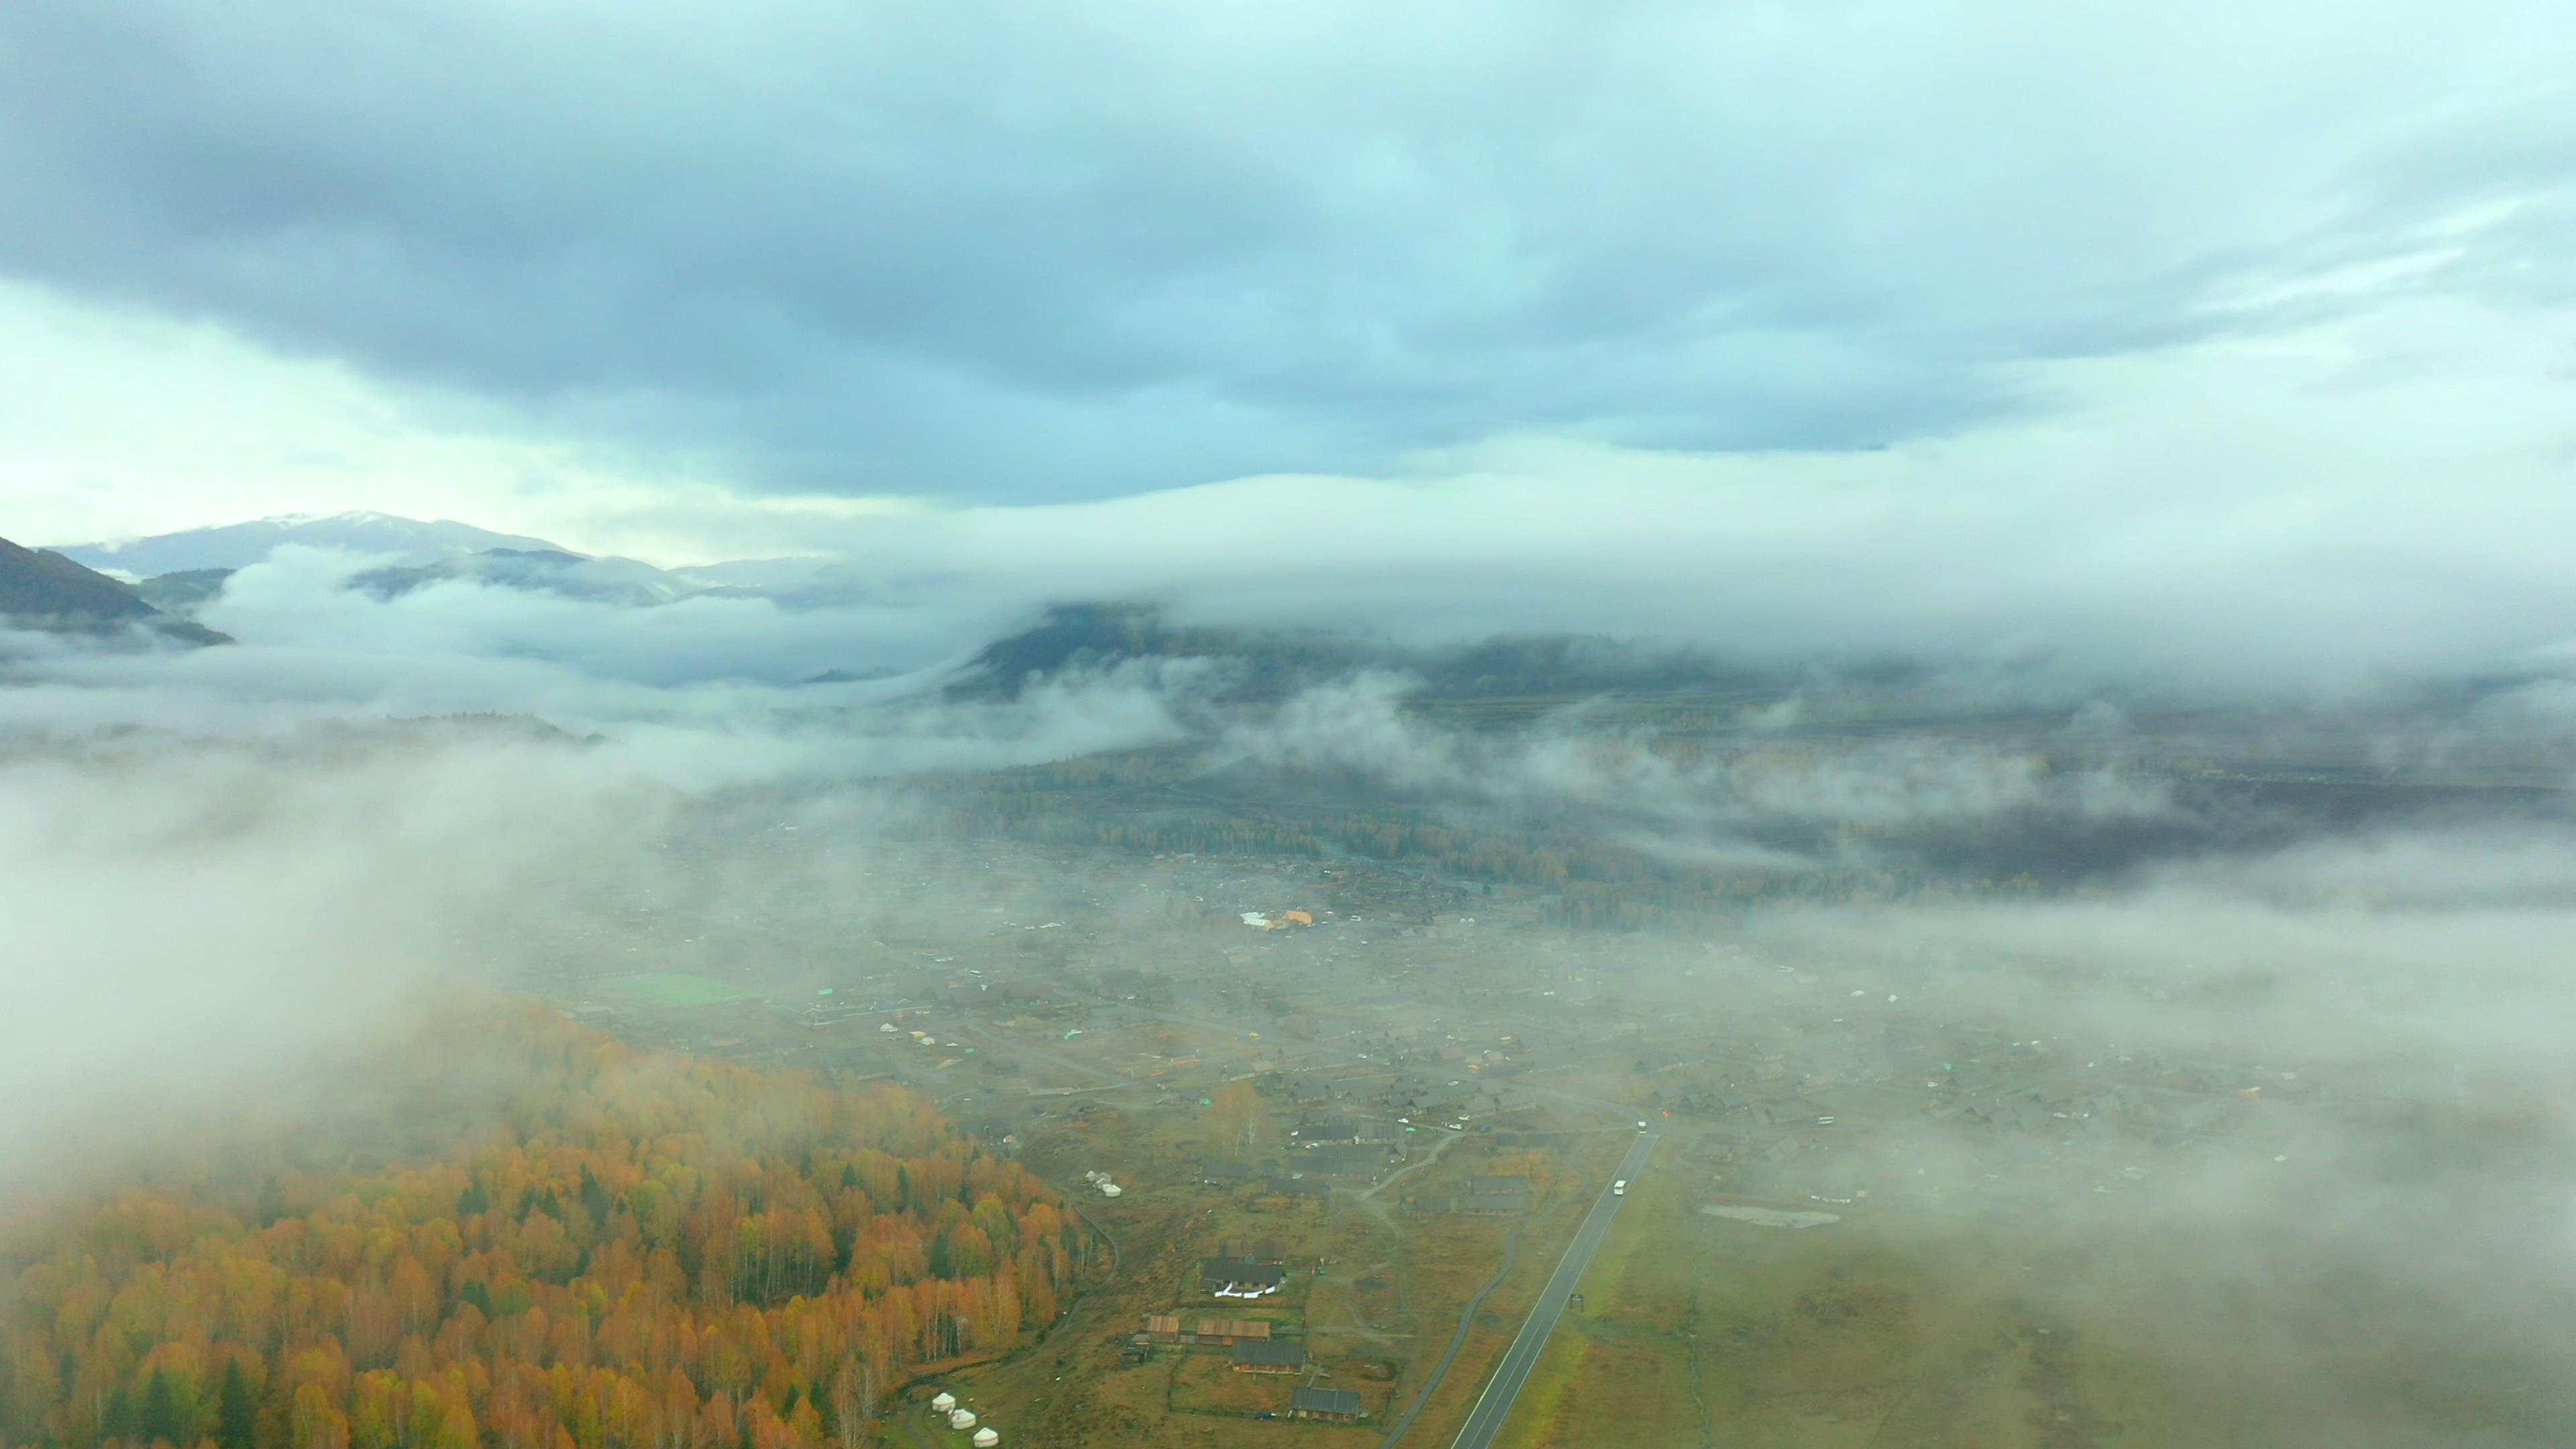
{"x":236,"y":1416}
{"x":594,"y":1197}
{"x":160,"y":1411}
{"x":117,"y":1421}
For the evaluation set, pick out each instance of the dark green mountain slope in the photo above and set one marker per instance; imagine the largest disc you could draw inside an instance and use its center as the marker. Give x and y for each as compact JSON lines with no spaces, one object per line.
{"x":41,"y":589}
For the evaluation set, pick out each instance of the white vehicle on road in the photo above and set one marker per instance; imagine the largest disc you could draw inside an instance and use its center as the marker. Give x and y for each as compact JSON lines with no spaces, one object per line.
{"x":1619,"y":1188}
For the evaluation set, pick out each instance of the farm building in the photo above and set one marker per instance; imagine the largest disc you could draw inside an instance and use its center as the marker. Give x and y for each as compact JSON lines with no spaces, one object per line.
{"x":1269,"y":1356}
{"x":1298,"y":1187}
{"x":1340,"y":1406}
{"x":1168,"y":1328}
{"x":1234,"y":1278}
{"x":1325,"y":1126}
{"x":1345,"y":1161}
{"x":1485,"y":1196}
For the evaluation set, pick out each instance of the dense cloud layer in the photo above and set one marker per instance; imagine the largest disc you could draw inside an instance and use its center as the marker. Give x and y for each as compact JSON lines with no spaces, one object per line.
{"x":2371,"y":502}
{"x":921,"y":248}
{"x":1706,"y":809}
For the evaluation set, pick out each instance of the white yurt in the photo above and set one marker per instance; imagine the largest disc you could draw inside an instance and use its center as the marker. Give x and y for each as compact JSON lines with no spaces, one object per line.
{"x":961,"y":1418}
{"x":944,"y":1401}
{"x":986,"y":1439}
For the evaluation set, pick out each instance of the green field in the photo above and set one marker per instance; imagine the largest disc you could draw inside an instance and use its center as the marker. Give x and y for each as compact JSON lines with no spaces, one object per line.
{"x":679,"y":989}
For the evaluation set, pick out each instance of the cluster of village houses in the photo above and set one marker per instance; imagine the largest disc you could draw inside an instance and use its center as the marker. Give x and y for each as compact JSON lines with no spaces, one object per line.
{"x":1382,"y":1021}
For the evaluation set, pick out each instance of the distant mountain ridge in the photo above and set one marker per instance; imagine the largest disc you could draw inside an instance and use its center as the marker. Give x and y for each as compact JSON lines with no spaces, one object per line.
{"x":43,"y":590}
{"x":181,"y":572}
{"x":620,"y":581}
{"x":238,"y":545}
{"x":1274,"y":663}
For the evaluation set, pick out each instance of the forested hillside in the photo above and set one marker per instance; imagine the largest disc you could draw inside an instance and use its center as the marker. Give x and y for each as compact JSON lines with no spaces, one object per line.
{"x":623,"y":1249}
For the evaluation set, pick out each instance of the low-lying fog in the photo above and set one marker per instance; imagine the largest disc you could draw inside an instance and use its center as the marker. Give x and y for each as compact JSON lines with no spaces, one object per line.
{"x":216,"y":866}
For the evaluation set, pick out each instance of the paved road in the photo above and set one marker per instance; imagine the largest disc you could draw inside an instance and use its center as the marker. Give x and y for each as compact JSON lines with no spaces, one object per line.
{"x":1505,"y":1386}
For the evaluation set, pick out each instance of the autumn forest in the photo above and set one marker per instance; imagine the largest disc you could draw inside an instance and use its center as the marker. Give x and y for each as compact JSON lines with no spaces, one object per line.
{"x":612,"y":1250}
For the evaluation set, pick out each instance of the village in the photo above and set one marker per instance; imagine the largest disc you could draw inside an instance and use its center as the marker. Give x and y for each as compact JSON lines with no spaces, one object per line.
{"x":1326,"y":1101}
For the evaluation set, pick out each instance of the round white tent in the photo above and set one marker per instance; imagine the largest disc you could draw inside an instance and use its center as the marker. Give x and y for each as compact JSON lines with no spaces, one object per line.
{"x":961,"y":1419}
{"x":944,"y":1401}
{"x":986,"y":1439}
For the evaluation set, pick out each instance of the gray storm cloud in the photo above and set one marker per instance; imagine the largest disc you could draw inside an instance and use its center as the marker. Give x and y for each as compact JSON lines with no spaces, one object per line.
{"x":908,"y":249}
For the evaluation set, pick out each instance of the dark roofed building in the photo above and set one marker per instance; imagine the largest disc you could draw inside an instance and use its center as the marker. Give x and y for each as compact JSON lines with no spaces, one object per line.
{"x":1341,"y":1406}
{"x":1169,"y":1328}
{"x":1299,"y":1187}
{"x":1301,"y":1091}
{"x":1268,"y":1356}
{"x":1224,"y":1174}
{"x":1324,"y":1127}
{"x":1345,"y":1160}
{"x":1237,"y":1278}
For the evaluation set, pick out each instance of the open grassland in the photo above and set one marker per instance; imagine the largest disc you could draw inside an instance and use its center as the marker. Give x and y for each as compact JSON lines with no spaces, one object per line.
{"x":1911,"y":1329}
{"x":1698,"y":1330}
{"x":1204,"y":1382}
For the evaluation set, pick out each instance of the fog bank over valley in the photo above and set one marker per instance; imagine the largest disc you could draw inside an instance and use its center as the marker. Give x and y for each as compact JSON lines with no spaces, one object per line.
{"x":2184,"y":1000}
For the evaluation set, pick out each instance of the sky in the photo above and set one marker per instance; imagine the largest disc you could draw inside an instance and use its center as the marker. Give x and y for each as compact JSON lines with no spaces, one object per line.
{"x":2125,"y":330}
{"x":938,"y":251}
